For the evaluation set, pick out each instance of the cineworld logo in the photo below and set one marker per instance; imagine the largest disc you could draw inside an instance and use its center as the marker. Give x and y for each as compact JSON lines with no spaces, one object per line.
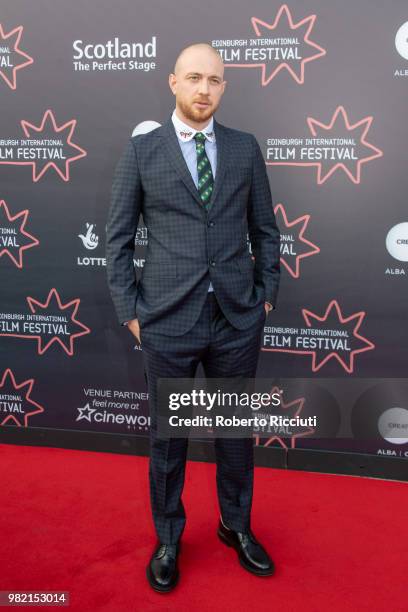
{"x":95,"y":415}
{"x":46,"y":145}
{"x":328,"y":337}
{"x":12,"y":58}
{"x":16,"y":404}
{"x":336,"y":145}
{"x":283,"y":45}
{"x":14,"y":238}
{"x":294,"y":246}
{"x":49,"y":322}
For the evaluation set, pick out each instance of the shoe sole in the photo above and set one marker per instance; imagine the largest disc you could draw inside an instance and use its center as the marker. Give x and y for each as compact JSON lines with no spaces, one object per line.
{"x":242,"y":563}
{"x":158,"y":588}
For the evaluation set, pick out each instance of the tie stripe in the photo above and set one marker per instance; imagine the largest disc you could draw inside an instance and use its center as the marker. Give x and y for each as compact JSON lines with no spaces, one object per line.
{"x":205,"y":176}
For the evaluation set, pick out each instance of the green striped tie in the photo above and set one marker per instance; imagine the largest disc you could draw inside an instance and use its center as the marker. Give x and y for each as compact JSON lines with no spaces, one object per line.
{"x":205,"y":176}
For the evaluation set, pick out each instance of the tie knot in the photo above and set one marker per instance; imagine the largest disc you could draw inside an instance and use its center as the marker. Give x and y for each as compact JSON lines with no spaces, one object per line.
{"x":199,"y":137}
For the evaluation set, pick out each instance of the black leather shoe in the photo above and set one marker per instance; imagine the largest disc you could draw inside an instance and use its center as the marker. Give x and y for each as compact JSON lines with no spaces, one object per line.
{"x":162,"y":571}
{"x":252,"y":556}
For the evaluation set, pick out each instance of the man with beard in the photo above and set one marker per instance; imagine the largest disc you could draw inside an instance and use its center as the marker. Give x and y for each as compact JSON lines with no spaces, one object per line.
{"x":202,"y":188}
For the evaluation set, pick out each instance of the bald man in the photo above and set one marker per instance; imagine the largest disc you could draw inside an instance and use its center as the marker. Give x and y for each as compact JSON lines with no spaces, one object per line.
{"x":202,"y":188}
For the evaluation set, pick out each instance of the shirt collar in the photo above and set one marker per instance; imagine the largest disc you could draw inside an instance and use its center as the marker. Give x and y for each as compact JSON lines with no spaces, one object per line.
{"x":185,"y":132}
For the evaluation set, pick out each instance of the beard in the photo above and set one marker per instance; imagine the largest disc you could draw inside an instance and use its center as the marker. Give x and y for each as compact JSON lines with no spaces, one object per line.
{"x":196,"y":114}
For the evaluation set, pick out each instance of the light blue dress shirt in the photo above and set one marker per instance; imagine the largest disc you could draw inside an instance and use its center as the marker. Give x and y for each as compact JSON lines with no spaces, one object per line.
{"x":185,"y":134}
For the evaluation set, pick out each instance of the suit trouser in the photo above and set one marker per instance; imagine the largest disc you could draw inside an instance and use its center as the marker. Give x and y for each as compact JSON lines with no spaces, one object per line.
{"x":224,"y":351}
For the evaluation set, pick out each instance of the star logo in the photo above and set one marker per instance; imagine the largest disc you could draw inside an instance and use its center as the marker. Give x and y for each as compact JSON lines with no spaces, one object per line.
{"x":298,"y":247}
{"x":12,"y":58}
{"x":339,"y":338}
{"x":290,"y":410}
{"x":353,"y":322}
{"x":14,"y":239}
{"x":284,"y":56}
{"x":85,"y":413}
{"x":340,"y":145}
{"x":65,"y":338}
{"x":15,"y":398}
{"x":49,"y":129}
{"x":341,"y":123}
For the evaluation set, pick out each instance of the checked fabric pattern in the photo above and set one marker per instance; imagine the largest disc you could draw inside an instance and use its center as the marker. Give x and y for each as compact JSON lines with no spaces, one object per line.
{"x":189,"y":247}
{"x":205,"y":175}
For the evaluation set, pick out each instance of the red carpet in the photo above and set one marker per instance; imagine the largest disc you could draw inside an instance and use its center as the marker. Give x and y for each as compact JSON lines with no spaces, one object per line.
{"x":80,"y":521}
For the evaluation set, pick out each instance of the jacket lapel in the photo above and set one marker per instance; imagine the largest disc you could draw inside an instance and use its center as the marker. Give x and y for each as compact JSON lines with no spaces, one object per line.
{"x":176,"y":158}
{"x":178,"y":162}
{"x":222,"y":158}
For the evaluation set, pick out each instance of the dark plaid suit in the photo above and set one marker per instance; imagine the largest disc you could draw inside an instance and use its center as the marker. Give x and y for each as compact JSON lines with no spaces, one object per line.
{"x":181,"y":323}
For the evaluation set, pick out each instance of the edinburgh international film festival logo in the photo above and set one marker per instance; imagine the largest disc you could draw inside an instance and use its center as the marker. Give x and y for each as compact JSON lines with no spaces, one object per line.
{"x":46,"y":146}
{"x":49,"y":322}
{"x":338,"y":144}
{"x":284,"y":435}
{"x":294,"y":244}
{"x":16,"y":403}
{"x":284,"y":45}
{"x":14,"y":237}
{"x":12,"y":57}
{"x":331,"y":336}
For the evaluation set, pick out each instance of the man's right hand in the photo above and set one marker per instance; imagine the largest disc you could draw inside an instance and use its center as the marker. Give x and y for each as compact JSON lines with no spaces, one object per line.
{"x":133,"y":325}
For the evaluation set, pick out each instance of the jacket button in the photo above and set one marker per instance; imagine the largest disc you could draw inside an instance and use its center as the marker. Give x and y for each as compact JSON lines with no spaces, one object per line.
{"x":210,"y":223}
{"x":212,"y":262}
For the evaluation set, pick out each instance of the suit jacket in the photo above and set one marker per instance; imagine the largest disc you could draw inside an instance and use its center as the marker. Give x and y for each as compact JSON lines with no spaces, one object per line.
{"x":188,"y":246}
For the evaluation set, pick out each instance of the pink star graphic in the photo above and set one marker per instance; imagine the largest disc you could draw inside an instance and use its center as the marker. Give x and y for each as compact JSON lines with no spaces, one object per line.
{"x":303,"y":222}
{"x":340,"y":117}
{"x":69,"y":126}
{"x":341,"y":120}
{"x":284,"y":20}
{"x":358,"y":317}
{"x":8,"y":374}
{"x":34,"y":242}
{"x":53,"y":296}
{"x":332,"y":309}
{"x":27,"y":60}
{"x":294,"y":408}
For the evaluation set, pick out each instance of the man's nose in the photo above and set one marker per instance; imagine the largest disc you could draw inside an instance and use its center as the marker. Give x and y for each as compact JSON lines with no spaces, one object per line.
{"x":203,"y":86}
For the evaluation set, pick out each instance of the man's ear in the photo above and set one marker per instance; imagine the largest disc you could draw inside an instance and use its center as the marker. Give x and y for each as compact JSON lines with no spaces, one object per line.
{"x":172,"y":82}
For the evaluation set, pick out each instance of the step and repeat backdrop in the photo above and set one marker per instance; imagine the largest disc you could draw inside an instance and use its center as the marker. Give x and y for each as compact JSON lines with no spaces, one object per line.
{"x":323,"y":87}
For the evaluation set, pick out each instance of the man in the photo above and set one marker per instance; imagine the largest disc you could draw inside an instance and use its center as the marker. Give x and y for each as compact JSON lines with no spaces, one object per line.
{"x":201,"y":188}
